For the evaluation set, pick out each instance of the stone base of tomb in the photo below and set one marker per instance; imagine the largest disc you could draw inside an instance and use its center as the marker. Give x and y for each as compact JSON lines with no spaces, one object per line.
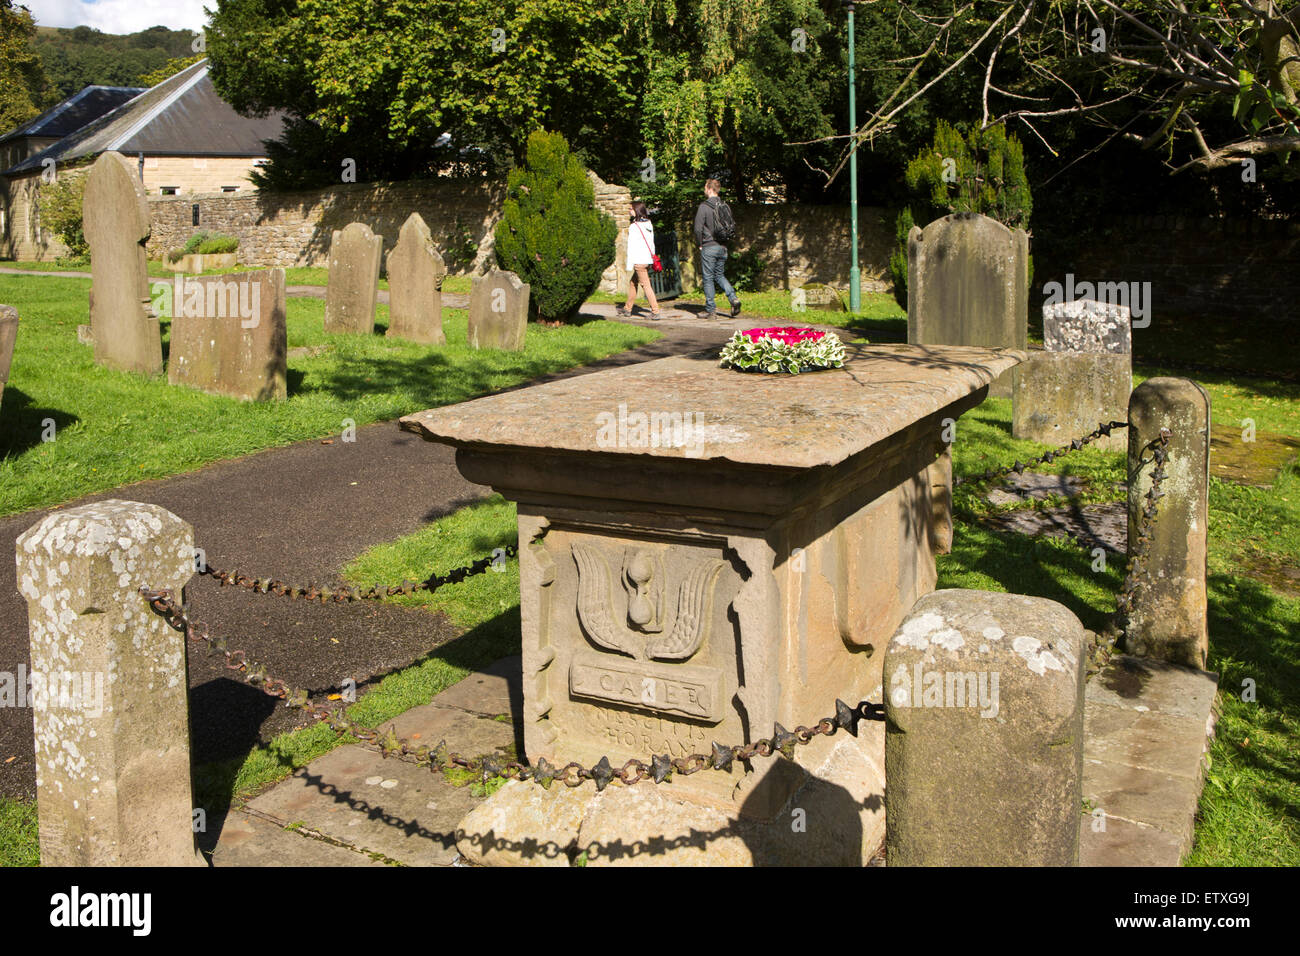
{"x":835,"y":817}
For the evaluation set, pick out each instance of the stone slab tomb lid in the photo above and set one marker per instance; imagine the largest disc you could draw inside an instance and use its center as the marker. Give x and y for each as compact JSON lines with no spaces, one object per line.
{"x":769,"y":421}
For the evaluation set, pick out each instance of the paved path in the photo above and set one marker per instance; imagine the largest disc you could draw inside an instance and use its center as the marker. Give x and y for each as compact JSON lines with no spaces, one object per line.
{"x":299,"y":513}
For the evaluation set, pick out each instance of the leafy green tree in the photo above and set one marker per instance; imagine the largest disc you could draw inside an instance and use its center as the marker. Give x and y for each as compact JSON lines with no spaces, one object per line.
{"x":168,"y":69}
{"x":82,"y":56}
{"x":551,"y":234}
{"x":60,"y":208}
{"x":22,"y":80}
{"x":982,"y":171}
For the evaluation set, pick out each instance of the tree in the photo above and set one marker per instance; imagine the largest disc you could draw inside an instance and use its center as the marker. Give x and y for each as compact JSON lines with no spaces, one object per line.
{"x":551,"y":234}
{"x":479,"y":75}
{"x":23,"y":87}
{"x":981,"y":172}
{"x":168,"y":69}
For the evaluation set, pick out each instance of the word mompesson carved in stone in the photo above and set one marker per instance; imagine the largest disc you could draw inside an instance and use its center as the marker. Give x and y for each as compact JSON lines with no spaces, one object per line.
{"x":1168,"y":619}
{"x":111,"y":716}
{"x":498,"y":311}
{"x":984,"y":732}
{"x":415,"y":274}
{"x":115,"y":212}
{"x":968,"y":284}
{"x":1083,"y":375}
{"x":228,"y":333}
{"x":8,"y":334}
{"x":685,"y":585}
{"x":355,"y":256}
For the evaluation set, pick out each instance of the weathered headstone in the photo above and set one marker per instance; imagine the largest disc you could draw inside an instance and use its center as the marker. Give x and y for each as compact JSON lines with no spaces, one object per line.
{"x":8,"y":333}
{"x":415,"y":274}
{"x":355,"y":255}
{"x":984,"y":732}
{"x":1168,"y":617}
{"x":1080,"y":379}
{"x":968,"y":284}
{"x":498,"y":311}
{"x":228,"y":333}
{"x":115,"y":212}
{"x":110,"y":702}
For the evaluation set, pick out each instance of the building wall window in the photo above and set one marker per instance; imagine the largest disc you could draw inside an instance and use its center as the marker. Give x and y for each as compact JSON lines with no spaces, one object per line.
{"x":168,"y":190}
{"x":230,"y":189}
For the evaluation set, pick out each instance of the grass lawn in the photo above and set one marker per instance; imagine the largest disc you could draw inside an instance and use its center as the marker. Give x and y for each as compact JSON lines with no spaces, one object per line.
{"x":1250,"y":810}
{"x":113,"y":428}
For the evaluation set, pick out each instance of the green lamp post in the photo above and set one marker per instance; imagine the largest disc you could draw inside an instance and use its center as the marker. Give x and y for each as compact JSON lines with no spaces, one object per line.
{"x":855,"y":274}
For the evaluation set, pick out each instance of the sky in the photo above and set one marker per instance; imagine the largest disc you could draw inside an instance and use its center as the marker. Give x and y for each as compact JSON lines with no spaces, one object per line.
{"x":120,"y":16}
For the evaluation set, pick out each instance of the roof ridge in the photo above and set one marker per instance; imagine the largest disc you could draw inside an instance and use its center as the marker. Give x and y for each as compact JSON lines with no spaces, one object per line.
{"x":163,"y":104}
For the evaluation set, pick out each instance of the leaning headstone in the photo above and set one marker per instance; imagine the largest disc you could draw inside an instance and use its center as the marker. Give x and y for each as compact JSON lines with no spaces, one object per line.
{"x":984,"y":732}
{"x":498,"y":311}
{"x":110,"y":697}
{"x":355,"y":255}
{"x":8,"y":333}
{"x":968,"y":284}
{"x":1080,"y":379}
{"x":115,"y":213}
{"x":228,"y":334}
{"x":1167,"y":617}
{"x":415,"y":274}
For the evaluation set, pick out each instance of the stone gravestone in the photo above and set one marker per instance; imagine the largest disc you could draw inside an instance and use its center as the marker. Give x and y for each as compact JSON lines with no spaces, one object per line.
{"x":498,"y":311}
{"x":116,"y":217}
{"x":8,"y":333}
{"x":1081,"y":378}
{"x":228,"y":334}
{"x":415,"y":274}
{"x":968,"y":284}
{"x":355,"y":255}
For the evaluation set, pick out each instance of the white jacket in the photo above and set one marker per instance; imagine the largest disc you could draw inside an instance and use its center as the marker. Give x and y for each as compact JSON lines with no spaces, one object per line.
{"x":640,"y":253}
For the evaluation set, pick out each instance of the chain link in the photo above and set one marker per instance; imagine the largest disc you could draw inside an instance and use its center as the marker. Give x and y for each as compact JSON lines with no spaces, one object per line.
{"x":660,"y":769}
{"x":1046,"y":458}
{"x":376,"y":592}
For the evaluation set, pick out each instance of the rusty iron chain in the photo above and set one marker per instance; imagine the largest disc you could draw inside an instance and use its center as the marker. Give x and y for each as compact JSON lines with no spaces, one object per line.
{"x":1138,"y":573}
{"x":660,"y":769}
{"x":376,"y":592}
{"x":1046,"y":458}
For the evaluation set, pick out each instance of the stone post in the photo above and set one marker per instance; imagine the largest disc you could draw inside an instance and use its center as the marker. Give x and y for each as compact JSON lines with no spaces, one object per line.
{"x":112,"y":739}
{"x":1167,"y":619}
{"x":8,"y":333}
{"x":984,"y":732}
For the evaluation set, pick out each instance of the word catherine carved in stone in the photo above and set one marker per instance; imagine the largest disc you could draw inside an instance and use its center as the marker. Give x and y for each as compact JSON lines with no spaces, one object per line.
{"x":415,"y":274}
{"x":228,"y":333}
{"x":355,"y":255}
{"x":968,"y":284}
{"x":8,"y":333}
{"x":498,"y":311}
{"x":116,"y":217}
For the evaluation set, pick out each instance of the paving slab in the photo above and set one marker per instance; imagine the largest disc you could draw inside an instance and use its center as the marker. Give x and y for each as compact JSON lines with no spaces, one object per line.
{"x":246,"y":840}
{"x":1147,"y":726}
{"x":497,"y":690}
{"x":353,"y":795}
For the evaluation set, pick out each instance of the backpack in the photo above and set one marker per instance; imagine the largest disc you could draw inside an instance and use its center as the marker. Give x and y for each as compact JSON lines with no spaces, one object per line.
{"x":724,"y":224}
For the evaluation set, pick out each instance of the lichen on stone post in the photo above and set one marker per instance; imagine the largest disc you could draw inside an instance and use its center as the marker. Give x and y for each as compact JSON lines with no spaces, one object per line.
{"x":1167,"y":619}
{"x":984,"y":732}
{"x":110,"y":695}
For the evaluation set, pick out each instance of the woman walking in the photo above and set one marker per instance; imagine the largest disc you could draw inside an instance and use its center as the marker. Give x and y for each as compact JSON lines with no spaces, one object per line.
{"x":640,"y":256}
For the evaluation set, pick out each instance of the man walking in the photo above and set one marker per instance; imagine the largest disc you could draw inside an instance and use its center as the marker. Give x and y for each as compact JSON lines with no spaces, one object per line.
{"x":714,"y":228}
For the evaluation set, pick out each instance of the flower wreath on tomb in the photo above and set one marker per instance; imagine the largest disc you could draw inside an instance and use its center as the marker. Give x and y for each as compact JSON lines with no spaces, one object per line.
{"x":789,"y":349}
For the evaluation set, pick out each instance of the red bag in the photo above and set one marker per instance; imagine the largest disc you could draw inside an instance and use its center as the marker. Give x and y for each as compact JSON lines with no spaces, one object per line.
{"x":655,"y":261}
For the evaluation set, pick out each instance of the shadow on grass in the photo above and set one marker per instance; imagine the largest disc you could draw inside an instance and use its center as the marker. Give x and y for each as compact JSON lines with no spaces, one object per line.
{"x":216,"y":782}
{"x":23,"y":424}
